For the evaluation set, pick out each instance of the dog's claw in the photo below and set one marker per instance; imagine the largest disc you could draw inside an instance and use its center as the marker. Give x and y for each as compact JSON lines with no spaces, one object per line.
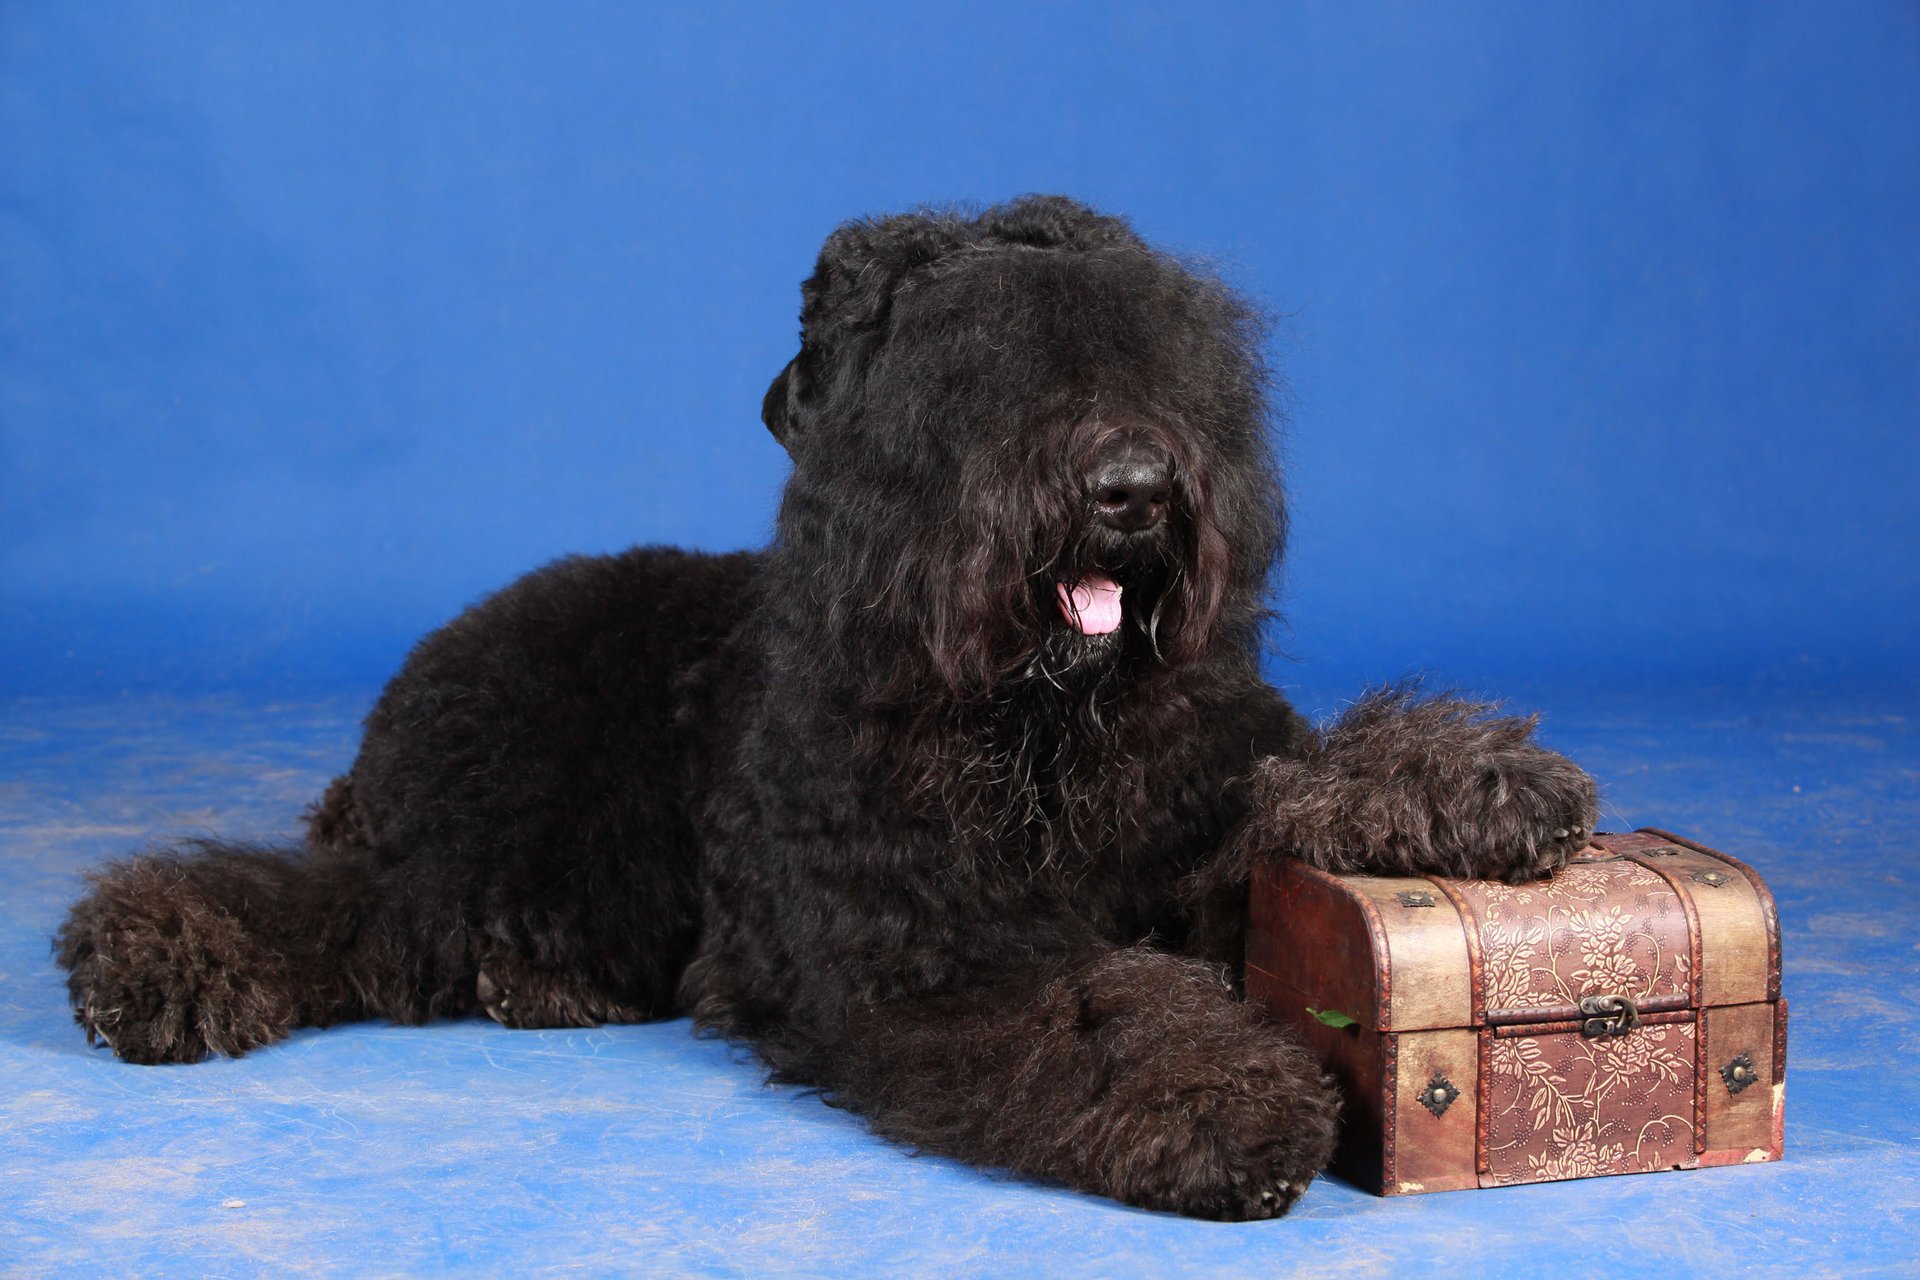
{"x":1276,"y":1200}
{"x":495,"y":1000}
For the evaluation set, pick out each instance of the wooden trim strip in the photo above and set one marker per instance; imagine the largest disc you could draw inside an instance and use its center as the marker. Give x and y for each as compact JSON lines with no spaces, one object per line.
{"x":1571,"y":1012}
{"x":1695,"y":942}
{"x":1700,"y":1069}
{"x":1389,"y":1108}
{"x":1471,"y":925}
{"x":1696,"y":988}
{"x":1513,"y":1031}
{"x":1484,"y":1109}
{"x":1778,"y":1133}
{"x":1779,"y":1041}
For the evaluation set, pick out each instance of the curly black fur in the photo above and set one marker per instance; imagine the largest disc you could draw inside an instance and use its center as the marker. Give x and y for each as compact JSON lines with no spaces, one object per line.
{"x":868,"y":800}
{"x":1412,"y":785}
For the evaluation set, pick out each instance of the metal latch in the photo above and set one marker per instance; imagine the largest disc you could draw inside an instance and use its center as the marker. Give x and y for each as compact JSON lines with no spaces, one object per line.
{"x":1607,"y":1016}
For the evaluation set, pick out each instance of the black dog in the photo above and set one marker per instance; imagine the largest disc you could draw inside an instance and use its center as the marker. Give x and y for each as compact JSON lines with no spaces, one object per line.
{"x":944,"y":802}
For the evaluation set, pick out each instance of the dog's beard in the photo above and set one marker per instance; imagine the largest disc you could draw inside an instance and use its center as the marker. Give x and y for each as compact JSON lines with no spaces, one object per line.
{"x":1035,"y":756}
{"x":1035,"y":747}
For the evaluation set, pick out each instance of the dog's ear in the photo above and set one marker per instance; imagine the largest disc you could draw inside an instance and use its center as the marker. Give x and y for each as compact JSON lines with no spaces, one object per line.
{"x":849,"y":295}
{"x":780,"y":410}
{"x":863,"y":263}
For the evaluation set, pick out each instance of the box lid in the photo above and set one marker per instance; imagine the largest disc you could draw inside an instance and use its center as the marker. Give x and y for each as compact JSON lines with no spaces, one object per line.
{"x":1648,"y":916}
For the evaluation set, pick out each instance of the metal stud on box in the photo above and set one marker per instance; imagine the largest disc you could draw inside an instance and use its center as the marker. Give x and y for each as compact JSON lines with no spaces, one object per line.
{"x":1438,"y":1095}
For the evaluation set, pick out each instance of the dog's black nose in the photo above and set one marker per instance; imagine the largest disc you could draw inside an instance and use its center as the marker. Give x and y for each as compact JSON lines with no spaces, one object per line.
{"x":1131,"y":483}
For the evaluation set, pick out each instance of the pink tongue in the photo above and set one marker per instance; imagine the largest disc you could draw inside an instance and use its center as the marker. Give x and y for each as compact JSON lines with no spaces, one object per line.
{"x":1093,"y":604}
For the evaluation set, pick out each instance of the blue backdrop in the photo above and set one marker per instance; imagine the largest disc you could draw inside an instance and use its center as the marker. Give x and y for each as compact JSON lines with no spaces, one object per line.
{"x":316,"y":322}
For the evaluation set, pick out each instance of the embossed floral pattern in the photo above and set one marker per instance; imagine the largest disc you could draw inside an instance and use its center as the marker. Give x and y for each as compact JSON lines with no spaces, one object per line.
{"x":1597,"y":929}
{"x":1561,"y":1105}
{"x":1564,"y":1106}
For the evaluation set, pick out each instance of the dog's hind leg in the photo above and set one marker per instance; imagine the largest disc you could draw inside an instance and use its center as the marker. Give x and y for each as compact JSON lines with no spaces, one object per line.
{"x":562,"y":958}
{"x":214,"y":947}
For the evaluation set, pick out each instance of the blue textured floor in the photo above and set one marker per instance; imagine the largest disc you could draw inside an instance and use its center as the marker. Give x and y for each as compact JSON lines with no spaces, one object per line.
{"x":467,"y":1148}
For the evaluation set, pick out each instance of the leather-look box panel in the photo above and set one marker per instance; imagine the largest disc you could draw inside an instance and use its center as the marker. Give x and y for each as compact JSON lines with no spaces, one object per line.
{"x":1744,"y":1095}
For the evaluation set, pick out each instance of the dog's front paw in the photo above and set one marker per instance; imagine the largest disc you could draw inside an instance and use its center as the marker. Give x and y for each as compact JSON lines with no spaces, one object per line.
{"x":1531,"y":811}
{"x":1403,"y":783}
{"x":1152,"y":1084}
{"x":1244,"y":1147}
{"x":1261,"y":1146}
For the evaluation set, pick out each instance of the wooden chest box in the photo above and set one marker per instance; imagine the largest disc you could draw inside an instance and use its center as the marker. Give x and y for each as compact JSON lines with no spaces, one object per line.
{"x":1621,"y":1018}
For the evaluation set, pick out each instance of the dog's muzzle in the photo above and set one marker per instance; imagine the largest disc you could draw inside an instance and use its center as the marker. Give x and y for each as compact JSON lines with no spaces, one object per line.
{"x":1130,"y":483}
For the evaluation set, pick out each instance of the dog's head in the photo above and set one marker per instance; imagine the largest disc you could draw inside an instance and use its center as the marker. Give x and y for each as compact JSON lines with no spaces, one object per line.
{"x":1027,"y":444}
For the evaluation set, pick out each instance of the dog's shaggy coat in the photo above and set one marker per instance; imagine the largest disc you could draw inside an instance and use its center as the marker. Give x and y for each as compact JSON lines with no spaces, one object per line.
{"x":944,"y":802}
